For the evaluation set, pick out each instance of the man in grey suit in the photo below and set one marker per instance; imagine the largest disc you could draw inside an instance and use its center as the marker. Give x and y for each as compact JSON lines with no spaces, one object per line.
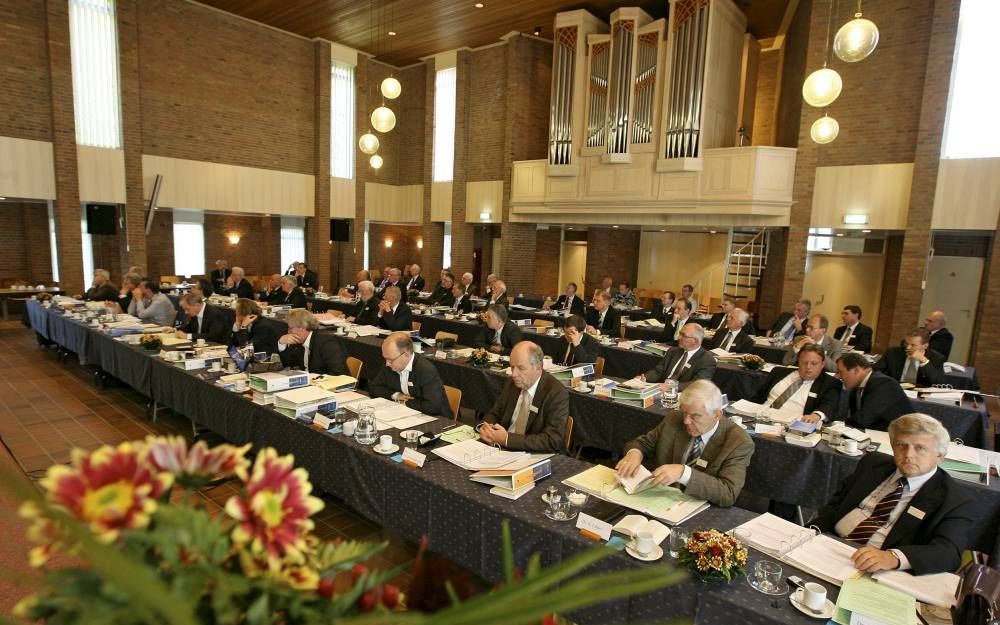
{"x":695,"y":448}
{"x":685,"y":363}
{"x":816,"y":333}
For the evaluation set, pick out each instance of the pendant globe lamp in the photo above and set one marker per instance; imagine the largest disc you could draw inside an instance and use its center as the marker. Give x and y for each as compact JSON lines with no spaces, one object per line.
{"x":824,"y":130}
{"x":368,"y":143}
{"x":856,"y":39}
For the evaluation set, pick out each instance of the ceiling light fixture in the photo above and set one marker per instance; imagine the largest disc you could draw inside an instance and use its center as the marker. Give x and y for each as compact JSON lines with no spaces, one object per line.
{"x":392,"y":33}
{"x":824,"y":130}
{"x":537,"y":32}
{"x":856,"y":39}
{"x":368,"y":143}
{"x":375,"y":161}
{"x":820,"y":89}
{"x":479,"y":5}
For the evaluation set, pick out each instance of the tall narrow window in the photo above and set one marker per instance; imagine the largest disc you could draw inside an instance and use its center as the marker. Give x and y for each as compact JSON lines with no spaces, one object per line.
{"x":971,"y":130}
{"x":444,"y":124}
{"x":189,"y":242}
{"x":293,"y":241}
{"x":446,"y":259}
{"x":366,"y":257}
{"x":88,"y":251}
{"x":94,"y":51}
{"x":341,"y":120}
{"x":54,"y":249}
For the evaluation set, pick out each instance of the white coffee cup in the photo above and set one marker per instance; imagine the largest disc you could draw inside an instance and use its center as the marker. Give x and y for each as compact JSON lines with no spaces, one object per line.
{"x":240,"y":385}
{"x":644,"y":543}
{"x":814,"y":596}
{"x":349,"y":427}
{"x":216,"y":366}
{"x":737,"y":419}
{"x":582,"y":387}
{"x":385,"y":442}
{"x":418,"y":347}
{"x":200,"y":343}
{"x":849,"y":446}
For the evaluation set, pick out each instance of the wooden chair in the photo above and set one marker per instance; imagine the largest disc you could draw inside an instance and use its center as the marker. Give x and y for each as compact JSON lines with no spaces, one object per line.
{"x":440,"y":336}
{"x":170,"y":279}
{"x":354,"y":367}
{"x":454,"y":400}
{"x":9,"y":282}
{"x":544,"y":323}
{"x":599,"y":365}
{"x":417,"y":325}
{"x":569,"y":432}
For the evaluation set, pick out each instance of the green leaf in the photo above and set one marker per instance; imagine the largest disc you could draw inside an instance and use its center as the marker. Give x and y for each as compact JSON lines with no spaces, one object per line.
{"x":342,"y":556}
{"x":259,"y":611}
{"x":508,"y":553}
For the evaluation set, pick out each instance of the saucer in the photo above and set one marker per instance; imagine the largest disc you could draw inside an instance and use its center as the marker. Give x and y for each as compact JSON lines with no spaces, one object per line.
{"x":653,"y":556}
{"x":860,"y":452}
{"x":569,"y":516}
{"x":584,"y":391}
{"x":386,"y":452}
{"x":826,"y":613}
{"x":782,"y":587}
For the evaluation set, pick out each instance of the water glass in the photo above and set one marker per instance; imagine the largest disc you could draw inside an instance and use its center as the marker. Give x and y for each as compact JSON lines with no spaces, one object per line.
{"x":768,"y":575}
{"x":366,"y":432}
{"x":669,"y":396}
{"x":678,"y":538}
{"x":339,"y":417}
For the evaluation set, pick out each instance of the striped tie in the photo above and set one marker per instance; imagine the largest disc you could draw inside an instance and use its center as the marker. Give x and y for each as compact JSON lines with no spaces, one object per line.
{"x":695,"y":453}
{"x":880,"y":515}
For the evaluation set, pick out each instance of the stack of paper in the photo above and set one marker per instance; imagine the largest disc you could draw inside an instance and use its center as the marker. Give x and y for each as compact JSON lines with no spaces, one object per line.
{"x":825,"y":558}
{"x":335,"y":382}
{"x":636,"y":392}
{"x":662,"y":502}
{"x":390,"y":414}
{"x":472,"y":455}
{"x":657,"y":349}
{"x":304,"y":400}
{"x":862,"y":601}
{"x":773,"y":535}
{"x":745,"y":407}
{"x":941,"y":395}
{"x":938,"y":589}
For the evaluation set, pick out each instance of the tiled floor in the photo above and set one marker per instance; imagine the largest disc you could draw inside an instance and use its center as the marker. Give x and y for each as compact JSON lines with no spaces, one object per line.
{"x":47,"y":408}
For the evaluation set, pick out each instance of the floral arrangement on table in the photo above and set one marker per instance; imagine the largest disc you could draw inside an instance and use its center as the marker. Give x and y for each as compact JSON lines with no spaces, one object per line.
{"x":753,"y":362}
{"x":151,"y":342}
{"x":712,"y":555}
{"x":43,"y":297}
{"x":147,"y":551}
{"x":479,"y":358}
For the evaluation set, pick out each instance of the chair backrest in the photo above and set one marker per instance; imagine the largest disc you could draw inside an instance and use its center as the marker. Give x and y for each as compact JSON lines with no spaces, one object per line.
{"x":599,"y":365}
{"x":173,"y":318}
{"x":9,"y":282}
{"x":416,"y":325}
{"x":569,"y":431}
{"x":354,"y":366}
{"x":544,"y":323}
{"x":454,"y":400}
{"x":344,"y":293}
{"x":170,"y":279}
{"x":440,"y":336}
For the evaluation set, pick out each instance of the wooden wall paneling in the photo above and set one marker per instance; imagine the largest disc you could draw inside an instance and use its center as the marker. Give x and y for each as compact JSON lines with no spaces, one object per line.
{"x":721,"y":94}
{"x":27,"y":169}
{"x":441,"y":201}
{"x":881,"y":191}
{"x":967,"y":195}
{"x":486,"y":195}
{"x":102,"y":174}
{"x":342,"y":198}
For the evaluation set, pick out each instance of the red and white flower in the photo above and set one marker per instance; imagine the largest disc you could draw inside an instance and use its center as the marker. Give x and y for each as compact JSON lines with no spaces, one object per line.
{"x":197,"y":465}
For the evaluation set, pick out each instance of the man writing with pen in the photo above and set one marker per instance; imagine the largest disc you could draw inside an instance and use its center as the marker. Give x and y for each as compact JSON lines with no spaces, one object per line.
{"x":409,"y":378}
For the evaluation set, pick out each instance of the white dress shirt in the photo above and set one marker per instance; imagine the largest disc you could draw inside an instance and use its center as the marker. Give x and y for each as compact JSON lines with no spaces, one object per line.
{"x":531,"y":397}
{"x":305,"y":351}
{"x":797,"y":402}
{"x":404,"y":378}
{"x":686,"y":358}
{"x":686,"y":475}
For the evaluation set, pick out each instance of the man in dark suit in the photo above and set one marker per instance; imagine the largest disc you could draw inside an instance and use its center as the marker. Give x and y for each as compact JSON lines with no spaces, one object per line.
{"x":816,"y":335}
{"x":915,"y":363}
{"x":393,"y":314}
{"x":306,"y":277}
{"x":500,"y":335}
{"x":580,"y":346}
{"x":854,"y":334}
{"x":130,"y":282}
{"x":220,"y":275}
{"x":305,"y":348}
{"x":445,"y":297}
{"x":462,"y":302}
{"x":807,"y":390}
{"x":906,"y":512}
{"x":273,"y":292}
{"x":687,"y":362}
{"x":396,"y":280}
{"x":468,"y":287}
{"x":694,"y":448}
{"x":733,"y":338}
{"x":246,"y":330}
{"x":604,"y":318}
{"x":237,"y":285}
{"x":409,"y":378}
{"x":792,"y":324}
{"x":568,"y":302}
{"x":102,"y":289}
{"x":415,"y":281}
{"x":292,"y":294}
{"x":498,"y":295}
{"x":876,"y":400}
{"x":491,"y":280}
{"x":202,"y":321}
{"x":941,"y":338}
{"x":719,"y":319}
{"x":530,"y":413}
{"x":665,"y":314}
{"x":366,"y":312}
{"x":682,"y":314}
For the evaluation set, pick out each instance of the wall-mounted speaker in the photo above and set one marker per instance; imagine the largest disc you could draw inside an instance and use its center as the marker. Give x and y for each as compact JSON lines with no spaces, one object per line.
{"x":340,"y":229}
{"x":102,"y":219}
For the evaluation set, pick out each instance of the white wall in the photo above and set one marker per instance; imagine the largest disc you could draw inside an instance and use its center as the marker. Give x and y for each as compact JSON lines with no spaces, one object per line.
{"x":833,"y":281}
{"x":669,"y":259}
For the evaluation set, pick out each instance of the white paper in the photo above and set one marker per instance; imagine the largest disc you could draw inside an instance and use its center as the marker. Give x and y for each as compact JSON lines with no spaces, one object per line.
{"x":601,"y":528}
{"x":414,"y":456}
{"x":937,"y":589}
{"x":763,"y":428}
{"x":951,"y":366}
{"x":746,"y":407}
{"x":825,"y":557}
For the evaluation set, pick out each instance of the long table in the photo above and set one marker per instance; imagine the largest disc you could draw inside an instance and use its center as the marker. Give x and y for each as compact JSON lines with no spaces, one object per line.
{"x":460,"y":518}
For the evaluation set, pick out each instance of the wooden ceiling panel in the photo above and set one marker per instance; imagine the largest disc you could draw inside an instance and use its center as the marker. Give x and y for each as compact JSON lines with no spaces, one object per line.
{"x":426,"y":27}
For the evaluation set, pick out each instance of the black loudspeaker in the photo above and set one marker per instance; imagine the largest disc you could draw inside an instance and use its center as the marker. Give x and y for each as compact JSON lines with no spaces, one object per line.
{"x":102,"y":219}
{"x":340,"y":229}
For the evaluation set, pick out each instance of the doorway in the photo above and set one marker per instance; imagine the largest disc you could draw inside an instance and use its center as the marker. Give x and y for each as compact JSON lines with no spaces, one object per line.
{"x":953,"y":287}
{"x":573,"y":265}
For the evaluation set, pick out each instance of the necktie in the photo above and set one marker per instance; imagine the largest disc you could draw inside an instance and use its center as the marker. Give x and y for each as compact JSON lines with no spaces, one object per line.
{"x":697,"y":446}
{"x":789,"y":331}
{"x":520,"y":420}
{"x":722,"y":323}
{"x":910,"y":371}
{"x":496,"y":338}
{"x":729,"y":341}
{"x":566,"y":304}
{"x":600,"y":321}
{"x":880,"y":515}
{"x":568,"y":360}
{"x":305,"y":356}
{"x":780,"y":400}
{"x":404,"y":377}
{"x":857,"y":399}
{"x":677,"y":329}
{"x":676,"y":371}
{"x":847,"y":336}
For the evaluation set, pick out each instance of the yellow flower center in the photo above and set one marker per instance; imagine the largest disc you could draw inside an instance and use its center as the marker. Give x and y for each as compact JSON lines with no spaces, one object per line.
{"x":110,"y":500}
{"x":271,"y":507}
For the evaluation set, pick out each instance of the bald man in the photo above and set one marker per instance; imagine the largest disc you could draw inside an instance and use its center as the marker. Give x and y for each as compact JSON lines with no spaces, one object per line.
{"x":941,"y":339}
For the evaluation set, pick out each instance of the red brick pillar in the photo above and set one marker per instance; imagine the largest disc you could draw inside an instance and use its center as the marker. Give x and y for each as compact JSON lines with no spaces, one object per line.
{"x":132,"y":239}
{"x":318,"y":232}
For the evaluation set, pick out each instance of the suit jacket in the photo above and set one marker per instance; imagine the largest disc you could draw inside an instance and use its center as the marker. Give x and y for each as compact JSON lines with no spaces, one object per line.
{"x":727,"y":456}
{"x":741,"y":345}
{"x":894,"y":360}
{"x":782,"y":320}
{"x":932,"y":541}
{"x":701,"y":366}
{"x":612,"y":321}
{"x":415,"y":284}
{"x":667,"y":336}
{"x":882,"y":402}
{"x":107,"y":292}
{"x":665,"y":316}
{"x":446,"y":300}
{"x":270,"y":296}
{"x":861,"y":338}
{"x":401,"y":285}
{"x":219,"y":277}
{"x":242,"y":289}
{"x":366,"y":313}
{"x":546,"y":427}
{"x":510,"y":335}
{"x":438,"y":292}
{"x":215,"y":327}
{"x":824,"y":394}
{"x":501,"y":300}
{"x":326,"y":355}
{"x":464,"y":304}
{"x":423,"y":385}
{"x":401,"y":319}
{"x":262,"y":335}
{"x":471,"y":289}
{"x":309,"y":280}
{"x":831,"y":347}
{"x":576,"y":308}
{"x":294,"y":298}
{"x":717,"y":322}
{"x":941,"y":342}
{"x":587,"y":351}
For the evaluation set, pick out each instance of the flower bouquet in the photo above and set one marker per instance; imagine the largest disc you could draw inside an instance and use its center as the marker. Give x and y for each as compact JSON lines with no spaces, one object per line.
{"x":479,"y":358}
{"x":151,"y":342}
{"x":712,"y":555}
{"x":147,"y":551}
{"x":753,"y":362}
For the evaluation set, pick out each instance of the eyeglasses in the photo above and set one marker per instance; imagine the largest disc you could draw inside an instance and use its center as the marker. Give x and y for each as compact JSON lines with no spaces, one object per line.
{"x":389,"y":361}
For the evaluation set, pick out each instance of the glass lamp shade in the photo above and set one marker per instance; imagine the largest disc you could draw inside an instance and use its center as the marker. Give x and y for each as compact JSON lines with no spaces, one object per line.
{"x":822,"y":87}
{"x":855,"y":40}
{"x":824,"y":130}
{"x":375,"y":161}
{"x":391,"y":88}
{"x":368,"y":143}
{"x":383,"y":119}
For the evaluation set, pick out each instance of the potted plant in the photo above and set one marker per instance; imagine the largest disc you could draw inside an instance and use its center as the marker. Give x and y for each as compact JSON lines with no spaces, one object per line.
{"x":714,"y":556}
{"x":479,"y":358}
{"x":151,"y":342}
{"x":753,"y":362}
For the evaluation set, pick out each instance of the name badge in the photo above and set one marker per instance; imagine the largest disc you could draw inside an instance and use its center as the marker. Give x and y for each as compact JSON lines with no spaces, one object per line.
{"x":687,"y":365}
{"x":813,"y":395}
{"x":413,"y":457}
{"x":590,"y":526}
{"x":440,"y":354}
{"x":534,"y":409}
{"x":701,"y":463}
{"x":408,"y":383}
{"x":917,"y":512}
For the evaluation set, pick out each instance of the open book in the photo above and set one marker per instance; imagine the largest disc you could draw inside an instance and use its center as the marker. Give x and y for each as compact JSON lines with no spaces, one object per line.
{"x":473,"y":455}
{"x":639,"y":482}
{"x":632,"y":524}
{"x":662,"y":502}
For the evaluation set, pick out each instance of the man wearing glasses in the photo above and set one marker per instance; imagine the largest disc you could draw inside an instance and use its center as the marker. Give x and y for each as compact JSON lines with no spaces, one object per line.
{"x":409,"y":378}
{"x":685,"y":363}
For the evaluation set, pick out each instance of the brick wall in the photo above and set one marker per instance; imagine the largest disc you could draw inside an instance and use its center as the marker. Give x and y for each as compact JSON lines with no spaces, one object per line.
{"x":13,"y":251}
{"x":404,"y":249}
{"x":26,"y":112}
{"x":254,"y":253}
{"x":793,"y":72}
{"x":984,"y":351}
{"x":890,"y":284}
{"x":766,"y":98}
{"x":548,"y":249}
{"x":133,"y":250}
{"x":160,"y":246}
{"x":611,"y":252}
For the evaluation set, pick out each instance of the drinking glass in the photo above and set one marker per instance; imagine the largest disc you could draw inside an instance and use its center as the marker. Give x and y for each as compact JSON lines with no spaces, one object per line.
{"x":768,"y":575}
{"x":366,"y":433}
{"x":669,"y":396}
{"x":678,"y":538}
